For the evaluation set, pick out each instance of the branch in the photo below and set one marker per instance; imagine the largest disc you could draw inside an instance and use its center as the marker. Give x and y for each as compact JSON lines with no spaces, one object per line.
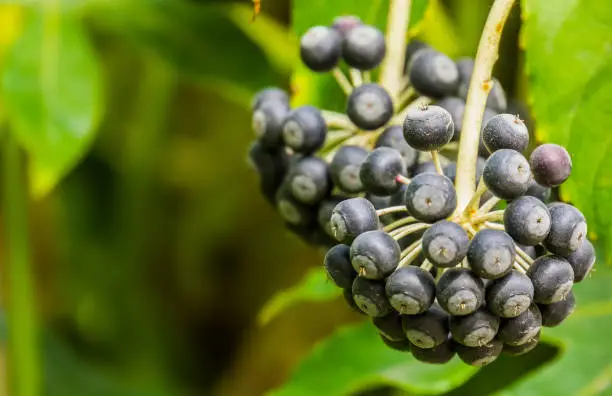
{"x":392,"y":68}
{"x":480,"y":85}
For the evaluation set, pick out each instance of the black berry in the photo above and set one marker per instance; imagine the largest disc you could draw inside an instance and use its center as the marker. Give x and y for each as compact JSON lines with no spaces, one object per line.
{"x":428,"y":128}
{"x":411,"y":290}
{"x":459,"y":291}
{"x":430,"y":197}
{"x":445,"y":244}
{"x":369,"y":106}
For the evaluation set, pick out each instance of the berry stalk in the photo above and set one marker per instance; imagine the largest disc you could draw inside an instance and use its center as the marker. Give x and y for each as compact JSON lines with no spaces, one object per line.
{"x":479,"y":88}
{"x":397,"y":28}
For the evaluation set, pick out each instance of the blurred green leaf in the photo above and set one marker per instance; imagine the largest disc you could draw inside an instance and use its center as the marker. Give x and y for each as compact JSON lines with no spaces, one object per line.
{"x":355,"y":358}
{"x":314,"y":286}
{"x":584,"y":366}
{"x":569,"y":62}
{"x":321,"y":89}
{"x":52,"y":92}
{"x":209,"y":42}
{"x":68,"y":374}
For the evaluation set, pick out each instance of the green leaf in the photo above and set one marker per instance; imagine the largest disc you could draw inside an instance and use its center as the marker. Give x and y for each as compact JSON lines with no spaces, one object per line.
{"x":321,"y":89}
{"x":584,"y":365}
{"x":214,"y":44}
{"x":569,"y":63}
{"x":314,"y":287}
{"x":52,"y":92}
{"x":355,"y":358}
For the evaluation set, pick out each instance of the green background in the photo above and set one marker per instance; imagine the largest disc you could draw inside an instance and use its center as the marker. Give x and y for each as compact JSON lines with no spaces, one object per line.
{"x":153,"y":252}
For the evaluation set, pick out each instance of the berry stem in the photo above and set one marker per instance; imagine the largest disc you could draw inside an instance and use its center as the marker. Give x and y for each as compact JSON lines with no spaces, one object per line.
{"x":356,"y":77}
{"x":407,"y":230}
{"x":480,"y":85}
{"x":367,"y":77}
{"x":409,"y":258}
{"x":391,"y":209}
{"x":487,"y":206}
{"x":344,"y":82}
{"x":472,"y":205}
{"x":436,"y":160}
{"x":522,"y":262}
{"x":337,"y":120}
{"x":496,"y":215}
{"x":494,"y":226}
{"x":524,"y":255}
{"x":426,"y":265}
{"x":399,"y":118}
{"x":404,"y":97}
{"x":392,"y":69}
{"x":520,"y":269}
{"x":399,"y":223}
{"x":411,"y":247}
{"x":402,"y":179}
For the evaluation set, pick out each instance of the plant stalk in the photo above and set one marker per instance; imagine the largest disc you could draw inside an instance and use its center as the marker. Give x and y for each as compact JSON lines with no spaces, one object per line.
{"x":392,"y":68}
{"x":480,"y":85}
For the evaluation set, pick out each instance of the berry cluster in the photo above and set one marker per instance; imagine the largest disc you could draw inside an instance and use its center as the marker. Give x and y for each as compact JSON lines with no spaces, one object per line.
{"x":377,"y":185}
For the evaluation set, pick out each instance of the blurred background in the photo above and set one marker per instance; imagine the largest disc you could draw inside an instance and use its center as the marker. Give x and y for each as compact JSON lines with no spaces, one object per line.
{"x":153,"y":256}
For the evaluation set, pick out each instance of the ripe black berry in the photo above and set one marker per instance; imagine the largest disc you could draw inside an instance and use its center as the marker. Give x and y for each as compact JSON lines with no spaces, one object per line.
{"x":412,"y":48}
{"x":348,"y":297}
{"x":551,"y":164}
{"x":363,"y":47}
{"x":538,"y":191}
{"x":510,"y":295}
{"x":293,"y":211}
{"x":424,"y":167}
{"x":505,"y":131}
{"x":320,"y":48}
{"x":304,"y":129}
{"x":428,"y":128}
{"x":480,"y":355}
{"x":271,"y":164}
{"x":343,"y":24}
{"x":379,"y":171}
{"x":440,"y":354}
{"x":456,"y":108}
{"x":568,"y":229}
{"x":393,"y":137}
{"x":375,"y":254}
{"x":506,"y":174}
{"x":430,"y":197}
{"x":433,"y":74}
{"x":401,"y":346}
{"x":411,"y":290}
{"x":390,"y":326}
{"x":326,"y":208}
{"x":267,"y":122}
{"x":428,"y":329}
{"x":369,"y":106}
{"x":552,"y":278}
{"x":491,"y":254}
{"x":345,"y":168}
{"x":338,"y":266}
{"x":582,"y":260}
{"x":555,"y":313}
{"x":497,"y":97}
{"x":521,"y":329}
{"x":369,"y":295}
{"x":459,"y":291}
{"x":445,"y":244}
{"x":271,"y":94}
{"x":517,"y":350}
{"x":353,"y":217}
{"x":309,"y":180}
{"x":527,"y":220}
{"x":476,"y":329}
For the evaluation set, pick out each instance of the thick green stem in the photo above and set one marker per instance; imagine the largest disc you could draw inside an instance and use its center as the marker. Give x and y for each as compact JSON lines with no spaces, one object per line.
{"x":23,"y":348}
{"x":392,"y":70}
{"x":480,"y":85}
